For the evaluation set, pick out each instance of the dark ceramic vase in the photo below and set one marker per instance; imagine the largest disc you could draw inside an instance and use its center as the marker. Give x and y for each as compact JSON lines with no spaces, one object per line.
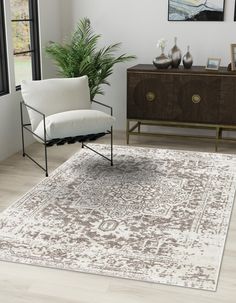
{"x":162,"y":61}
{"x":187,"y":59}
{"x":175,"y":55}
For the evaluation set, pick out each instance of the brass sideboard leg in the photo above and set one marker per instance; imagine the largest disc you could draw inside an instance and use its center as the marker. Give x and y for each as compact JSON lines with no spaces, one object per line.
{"x":220,"y":133}
{"x":217,"y":138}
{"x":127,"y":132}
{"x":139,"y":127}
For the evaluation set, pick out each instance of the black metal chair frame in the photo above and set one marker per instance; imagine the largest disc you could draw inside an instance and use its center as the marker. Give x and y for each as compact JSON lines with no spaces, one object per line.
{"x":62,"y":141}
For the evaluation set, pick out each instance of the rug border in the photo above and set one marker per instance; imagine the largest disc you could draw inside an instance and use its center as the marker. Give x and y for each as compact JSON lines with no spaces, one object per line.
{"x":110,"y":276}
{"x":225,"y":241}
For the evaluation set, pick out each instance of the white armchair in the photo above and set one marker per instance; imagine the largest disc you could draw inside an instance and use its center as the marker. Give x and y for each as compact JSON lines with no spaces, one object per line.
{"x":60,"y":112}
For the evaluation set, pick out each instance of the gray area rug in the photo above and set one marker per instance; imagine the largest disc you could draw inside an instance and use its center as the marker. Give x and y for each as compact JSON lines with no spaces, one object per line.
{"x":157,"y":215}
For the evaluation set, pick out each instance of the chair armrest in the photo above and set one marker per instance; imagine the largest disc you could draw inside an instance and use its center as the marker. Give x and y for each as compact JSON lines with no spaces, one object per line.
{"x":102,"y":104}
{"x":34,"y":109}
{"x":24,"y":125}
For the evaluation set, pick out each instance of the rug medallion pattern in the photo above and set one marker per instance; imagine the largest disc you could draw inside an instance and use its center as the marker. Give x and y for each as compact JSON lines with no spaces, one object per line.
{"x":157,"y":215}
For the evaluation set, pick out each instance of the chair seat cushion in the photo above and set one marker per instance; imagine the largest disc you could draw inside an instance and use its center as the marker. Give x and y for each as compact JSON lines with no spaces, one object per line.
{"x":74,"y":123}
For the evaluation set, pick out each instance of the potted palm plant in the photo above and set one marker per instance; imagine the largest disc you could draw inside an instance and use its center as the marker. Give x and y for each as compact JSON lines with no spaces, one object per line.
{"x":80,"y":56}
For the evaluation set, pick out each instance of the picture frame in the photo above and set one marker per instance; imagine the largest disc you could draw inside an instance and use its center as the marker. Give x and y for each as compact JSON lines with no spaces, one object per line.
{"x":233,"y":56}
{"x":188,"y":10}
{"x":213,"y":63}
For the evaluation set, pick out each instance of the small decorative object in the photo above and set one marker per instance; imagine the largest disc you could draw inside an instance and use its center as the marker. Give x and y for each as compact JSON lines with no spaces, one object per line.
{"x":213,"y":63}
{"x":175,"y":55}
{"x":162,"y":61}
{"x":188,"y":59}
{"x":197,"y":10}
{"x":233,"y":57}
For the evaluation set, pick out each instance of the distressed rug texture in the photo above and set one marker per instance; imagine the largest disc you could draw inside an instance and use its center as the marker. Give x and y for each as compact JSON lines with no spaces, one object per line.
{"x":157,"y":215}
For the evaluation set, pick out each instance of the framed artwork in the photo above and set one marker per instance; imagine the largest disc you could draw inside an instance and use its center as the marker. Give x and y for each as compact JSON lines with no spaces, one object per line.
{"x":196,"y":10}
{"x":233,"y":56}
{"x":213,"y":63}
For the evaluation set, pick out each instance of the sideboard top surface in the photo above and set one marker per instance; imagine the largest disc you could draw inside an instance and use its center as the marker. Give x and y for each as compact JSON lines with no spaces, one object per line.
{"x":197,"y":70}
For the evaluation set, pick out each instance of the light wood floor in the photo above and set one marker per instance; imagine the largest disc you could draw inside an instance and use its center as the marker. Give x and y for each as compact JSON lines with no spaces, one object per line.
{"x":29,"y":284}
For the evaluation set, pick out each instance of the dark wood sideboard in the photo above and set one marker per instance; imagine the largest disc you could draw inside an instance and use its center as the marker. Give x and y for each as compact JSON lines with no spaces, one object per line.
{"x":194,"y":98}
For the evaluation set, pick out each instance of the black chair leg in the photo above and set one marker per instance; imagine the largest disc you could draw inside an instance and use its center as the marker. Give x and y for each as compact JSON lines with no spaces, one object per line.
{"x":111,"y":146}
{"x":45,"y":147}
{"x":22,"y":131}
{"x":46,"y":159}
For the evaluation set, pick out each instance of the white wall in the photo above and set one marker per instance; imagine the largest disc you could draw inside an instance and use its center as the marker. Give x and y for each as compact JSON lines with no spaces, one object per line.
{"x":139,"y":24}
{"x":50,"y":21}
{"x":51,"y":13}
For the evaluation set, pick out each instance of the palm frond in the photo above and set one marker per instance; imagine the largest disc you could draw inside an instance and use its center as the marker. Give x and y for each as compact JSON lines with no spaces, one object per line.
{"x":79,"y":56}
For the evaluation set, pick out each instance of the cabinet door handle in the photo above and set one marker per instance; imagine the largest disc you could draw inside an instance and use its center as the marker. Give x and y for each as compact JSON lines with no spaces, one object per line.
{"x":150,"y":96}
{"x":196,"y":99}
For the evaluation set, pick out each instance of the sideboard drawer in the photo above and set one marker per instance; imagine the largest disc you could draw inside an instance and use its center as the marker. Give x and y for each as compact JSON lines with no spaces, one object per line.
{"x":199,"y":99}
{"x":227,"y":112}
{"x":152,"y":97}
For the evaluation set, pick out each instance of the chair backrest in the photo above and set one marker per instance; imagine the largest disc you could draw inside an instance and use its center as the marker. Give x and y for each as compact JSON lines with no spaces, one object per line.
{"x":52,"y":96}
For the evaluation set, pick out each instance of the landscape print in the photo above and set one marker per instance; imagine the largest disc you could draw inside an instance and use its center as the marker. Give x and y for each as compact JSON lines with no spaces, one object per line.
{"x":196,"y":10}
